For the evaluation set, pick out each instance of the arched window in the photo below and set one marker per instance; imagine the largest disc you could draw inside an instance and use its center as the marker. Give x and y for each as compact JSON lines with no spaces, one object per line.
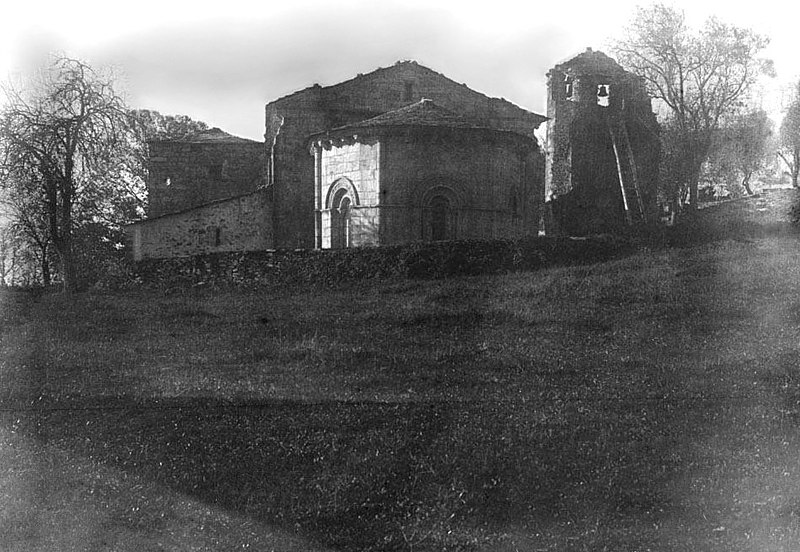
{"x":441,"y":206}
{"x":513,"y":205}
{"x":440,"y":218}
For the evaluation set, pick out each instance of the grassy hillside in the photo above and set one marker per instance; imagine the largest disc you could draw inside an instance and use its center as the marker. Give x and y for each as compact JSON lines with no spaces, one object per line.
{"x":648,"y":403}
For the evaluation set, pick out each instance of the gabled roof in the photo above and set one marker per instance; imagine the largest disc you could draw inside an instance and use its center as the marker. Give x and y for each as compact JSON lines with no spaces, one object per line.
{"x":361,"y":76}
{"x":212,"y":135}
{"x":407,"y":65}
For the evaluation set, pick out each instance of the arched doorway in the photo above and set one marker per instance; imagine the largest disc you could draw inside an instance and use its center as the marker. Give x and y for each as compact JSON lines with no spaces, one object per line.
{"x":338,"y":222}
{"x":341,"y":231}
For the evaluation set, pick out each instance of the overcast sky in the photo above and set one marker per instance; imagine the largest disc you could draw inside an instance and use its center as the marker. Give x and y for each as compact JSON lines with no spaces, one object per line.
{"x":221,"y":61}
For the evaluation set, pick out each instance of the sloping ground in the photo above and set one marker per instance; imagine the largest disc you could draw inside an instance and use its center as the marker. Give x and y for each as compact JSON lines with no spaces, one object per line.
{"x":772,"y":213}
{"x":772,"y":205}
{"x":648,"y":403}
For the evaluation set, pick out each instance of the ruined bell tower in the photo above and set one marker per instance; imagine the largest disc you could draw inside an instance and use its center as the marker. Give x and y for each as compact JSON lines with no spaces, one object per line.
{"x":602,"y":148}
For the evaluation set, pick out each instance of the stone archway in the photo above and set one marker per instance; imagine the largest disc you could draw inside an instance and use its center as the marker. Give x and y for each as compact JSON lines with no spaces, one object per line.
{"x":440,"y":209}
{"x":340,"y":200}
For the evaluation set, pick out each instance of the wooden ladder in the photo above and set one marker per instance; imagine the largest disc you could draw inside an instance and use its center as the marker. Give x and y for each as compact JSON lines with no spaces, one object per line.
{"x":626,"y":170}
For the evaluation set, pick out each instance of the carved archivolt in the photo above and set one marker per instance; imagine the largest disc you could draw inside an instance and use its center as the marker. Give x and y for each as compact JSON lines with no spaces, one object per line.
{"x":343,"y":187}
{"x":441,"y":190}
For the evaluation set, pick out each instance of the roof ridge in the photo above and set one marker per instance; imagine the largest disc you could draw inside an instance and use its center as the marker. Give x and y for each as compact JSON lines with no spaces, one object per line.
{"x":414,"y":63}
{"x":213,"y":134}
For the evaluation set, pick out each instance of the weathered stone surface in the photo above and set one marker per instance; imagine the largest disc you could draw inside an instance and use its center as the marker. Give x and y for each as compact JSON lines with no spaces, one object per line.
{"x":421,"y":174}
{"x":587,"y":95}
{"x":199,"y":169}
{"x":243,"y":223}
{"x":292,"y":119}
{"x":494,"y":183}
{"x":414,"y":260}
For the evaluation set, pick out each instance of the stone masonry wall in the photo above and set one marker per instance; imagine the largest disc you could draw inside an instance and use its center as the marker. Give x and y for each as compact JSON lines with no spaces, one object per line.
{"x":238,"y":224}
{"x":292,"y":119}
{"x":493,"y":180}
{"x":289,"y":124}
{"x":415,"y":260}
{"x":183,"y":175}
{"x":483,"y":173}
{"x":587,"y":96}
{"x":355,"y":165}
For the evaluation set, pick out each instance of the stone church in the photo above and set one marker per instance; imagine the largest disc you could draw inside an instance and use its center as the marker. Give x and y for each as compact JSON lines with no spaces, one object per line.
{"x":405,"y":154}
{"x":396,"y":155}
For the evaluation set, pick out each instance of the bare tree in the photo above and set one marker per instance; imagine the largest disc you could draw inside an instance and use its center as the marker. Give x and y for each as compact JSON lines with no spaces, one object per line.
{"x":63,"y":140}
{"x":698,"y":76}
{"x":28,"y":228}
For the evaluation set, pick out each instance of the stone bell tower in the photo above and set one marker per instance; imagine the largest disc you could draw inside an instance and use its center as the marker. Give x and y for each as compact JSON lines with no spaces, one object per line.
{"x":602,"y":148}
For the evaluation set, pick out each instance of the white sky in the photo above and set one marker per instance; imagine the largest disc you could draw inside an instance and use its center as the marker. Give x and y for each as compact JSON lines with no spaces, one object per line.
{"x":221,"y":61}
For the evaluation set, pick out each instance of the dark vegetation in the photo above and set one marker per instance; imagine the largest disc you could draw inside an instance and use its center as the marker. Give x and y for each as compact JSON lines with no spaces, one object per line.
{"x":411,"y":261}
{"x":645,"y":402}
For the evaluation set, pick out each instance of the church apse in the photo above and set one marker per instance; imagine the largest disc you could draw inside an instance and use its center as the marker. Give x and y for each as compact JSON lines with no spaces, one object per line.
{"x":602,"y":148}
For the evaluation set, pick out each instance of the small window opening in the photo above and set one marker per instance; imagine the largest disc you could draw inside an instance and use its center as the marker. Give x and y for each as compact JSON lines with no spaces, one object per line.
{"x":408,"y":93}
{"x":212,"y":236}
{"x":215,"y":171}
{"x":568,"y":87}
{"x":603,"y":94}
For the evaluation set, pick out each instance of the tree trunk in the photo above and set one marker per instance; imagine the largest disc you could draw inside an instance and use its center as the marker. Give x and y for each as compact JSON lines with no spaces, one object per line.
{"x":63,"y":246}
{"x":795,"y":166}
{"x":68,"y":269}
{"x":694,"y":183}
{"x":695,"y":157}
{"x":746,"y":183}
{"x":45,"y":266}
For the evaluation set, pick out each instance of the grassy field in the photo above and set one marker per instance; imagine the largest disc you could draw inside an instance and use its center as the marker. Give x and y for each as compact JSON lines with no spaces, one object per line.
{"x":647,"y":403}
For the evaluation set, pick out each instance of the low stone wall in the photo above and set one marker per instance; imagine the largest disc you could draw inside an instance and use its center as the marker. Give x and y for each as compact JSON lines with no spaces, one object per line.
{"x":417,"y":260}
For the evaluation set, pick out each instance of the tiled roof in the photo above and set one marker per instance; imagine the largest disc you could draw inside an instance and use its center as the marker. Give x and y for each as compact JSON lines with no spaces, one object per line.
{"x":213,"y":135}
{"x":424,"y":113}
{"x":412,"y":65}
